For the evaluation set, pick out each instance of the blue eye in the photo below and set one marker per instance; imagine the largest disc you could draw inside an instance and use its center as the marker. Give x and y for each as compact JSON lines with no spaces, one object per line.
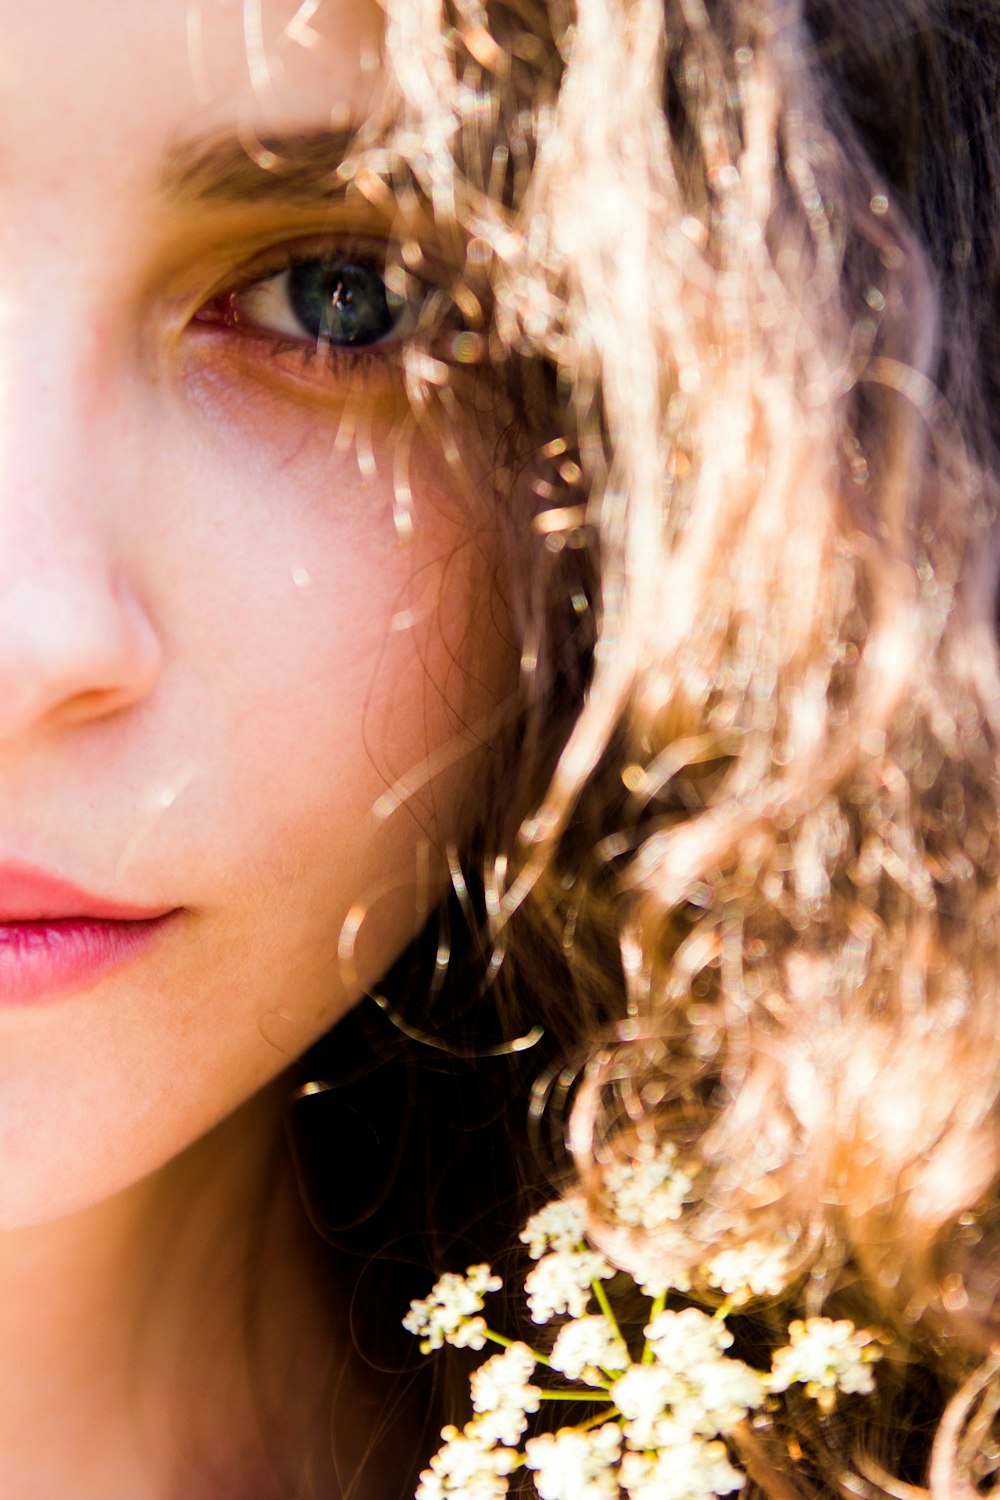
{"x":336,"y":300}
{"x":340,"y":300}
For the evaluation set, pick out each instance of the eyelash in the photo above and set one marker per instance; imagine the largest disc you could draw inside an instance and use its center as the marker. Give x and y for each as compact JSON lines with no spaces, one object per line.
{"x":363,"y":364}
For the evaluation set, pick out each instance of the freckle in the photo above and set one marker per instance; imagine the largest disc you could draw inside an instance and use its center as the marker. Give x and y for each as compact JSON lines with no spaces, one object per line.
{"x":300,"y":578}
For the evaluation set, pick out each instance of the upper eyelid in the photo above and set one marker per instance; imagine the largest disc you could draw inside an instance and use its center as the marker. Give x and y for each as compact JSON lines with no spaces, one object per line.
{"x":289,"y":252}
{"x":435,"y":271}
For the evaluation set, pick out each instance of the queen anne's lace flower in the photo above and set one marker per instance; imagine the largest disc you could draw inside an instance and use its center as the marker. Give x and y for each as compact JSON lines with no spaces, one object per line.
{"x":471,"y":1335}
{"x":672,"y":1272}
{"x":693,"y":1389}
{"x":826,"y":1355}
{"x":574,"y":1465}
{"x":502,"y":1395}
{"x":662,"y":1410}
{"x":447,"y":1315}
{"x":719,"y":1396}
{"x":644,"y":1396}
{"x":694,"y":1470}
{"x":560,"y":1225}
{"x":468,"y":1466}
{"x":587,"y":1347}
{"x":680,"y":1339}
{"x":562,"y":1282}
{"x":649,"y":1191}
{"x":756,"y":1269}
{"x":664,"y":1418}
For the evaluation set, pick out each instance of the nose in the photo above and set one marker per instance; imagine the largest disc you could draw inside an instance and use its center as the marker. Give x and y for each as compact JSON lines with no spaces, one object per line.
{"x":76,"y":643}
{"x":74,"y":646}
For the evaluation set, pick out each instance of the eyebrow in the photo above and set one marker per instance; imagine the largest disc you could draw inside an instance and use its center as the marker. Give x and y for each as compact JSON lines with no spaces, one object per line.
{"x":295,"y":168}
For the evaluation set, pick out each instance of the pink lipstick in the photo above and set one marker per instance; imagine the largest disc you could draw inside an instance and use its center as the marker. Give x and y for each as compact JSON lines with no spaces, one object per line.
{"x":57,"y":940}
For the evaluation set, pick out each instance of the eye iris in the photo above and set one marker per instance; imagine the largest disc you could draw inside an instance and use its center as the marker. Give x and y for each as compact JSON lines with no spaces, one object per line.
{"x":341,"y":301}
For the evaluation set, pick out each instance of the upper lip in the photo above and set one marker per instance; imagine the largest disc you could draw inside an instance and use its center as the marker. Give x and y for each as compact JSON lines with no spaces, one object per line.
{"x":28,"y":894}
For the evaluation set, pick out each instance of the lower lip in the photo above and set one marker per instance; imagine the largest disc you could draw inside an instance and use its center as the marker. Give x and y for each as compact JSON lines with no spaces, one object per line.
{"x":52,"y":958}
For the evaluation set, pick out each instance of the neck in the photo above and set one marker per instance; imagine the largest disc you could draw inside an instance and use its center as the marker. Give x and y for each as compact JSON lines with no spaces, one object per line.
{"x":142,"y":1339}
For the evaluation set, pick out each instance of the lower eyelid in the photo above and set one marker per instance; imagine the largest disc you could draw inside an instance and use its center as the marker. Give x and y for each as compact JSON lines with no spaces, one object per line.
{"x":298,"y":367}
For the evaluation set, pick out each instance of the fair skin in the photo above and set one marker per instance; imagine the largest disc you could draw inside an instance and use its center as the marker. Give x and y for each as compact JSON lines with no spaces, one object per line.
{"x":216,"y":653}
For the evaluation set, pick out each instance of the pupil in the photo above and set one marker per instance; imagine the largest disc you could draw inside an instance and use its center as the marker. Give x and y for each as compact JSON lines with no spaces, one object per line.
{"x":341,"y":301}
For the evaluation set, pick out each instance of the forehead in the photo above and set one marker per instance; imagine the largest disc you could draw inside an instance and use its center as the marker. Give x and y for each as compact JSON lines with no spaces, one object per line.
{"x":106,"y":87}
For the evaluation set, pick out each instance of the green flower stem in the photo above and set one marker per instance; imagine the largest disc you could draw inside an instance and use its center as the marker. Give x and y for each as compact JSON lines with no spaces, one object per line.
{"x":598,"y":1419}
{"x":575,"y":1395}
{"x":723,"y":1310}
{"x":659,"y":1303}
{"x":605,"y":1306}
{"x":506,"y":1343}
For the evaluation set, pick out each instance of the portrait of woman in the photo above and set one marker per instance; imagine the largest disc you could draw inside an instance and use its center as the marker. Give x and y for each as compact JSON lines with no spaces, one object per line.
{"x":498,"y":681}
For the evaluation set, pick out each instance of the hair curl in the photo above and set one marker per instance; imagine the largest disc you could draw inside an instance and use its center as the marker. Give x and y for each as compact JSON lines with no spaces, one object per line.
{"x":735,"y":265}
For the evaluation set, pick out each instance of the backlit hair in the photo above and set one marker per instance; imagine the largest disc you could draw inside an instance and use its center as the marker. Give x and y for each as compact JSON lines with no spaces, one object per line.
{"x":735,"y":266}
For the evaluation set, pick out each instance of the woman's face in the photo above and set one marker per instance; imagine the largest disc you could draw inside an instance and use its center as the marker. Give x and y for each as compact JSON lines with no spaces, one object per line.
{"x":217,"y":647}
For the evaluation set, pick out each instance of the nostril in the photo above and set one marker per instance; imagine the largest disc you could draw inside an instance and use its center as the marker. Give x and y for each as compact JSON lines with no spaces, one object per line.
{"x":75,"y":644}
{"x":93,"y":704}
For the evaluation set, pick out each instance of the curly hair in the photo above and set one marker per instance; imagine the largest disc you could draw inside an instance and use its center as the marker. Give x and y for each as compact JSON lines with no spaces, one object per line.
{"x":733,"y":267}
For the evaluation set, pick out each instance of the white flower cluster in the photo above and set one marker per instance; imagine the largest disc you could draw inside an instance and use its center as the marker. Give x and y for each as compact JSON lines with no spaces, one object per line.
{"x":560,"y":1225}
{"x":502,"y":1395}
{"x":826,"y":1355}
{"x":446,"y":1316}
{"x":663,"y":1416}
{"x":694,"y":1470}
{"x":563,"y":1282}
{"x":691,"y":1392}
{"x":650,"y":1190}
{"x":473,"y":1464}
{"x":589,"y":1349}
{"x":574,"y":1465}
{"x":672,"y":1271}
{"x":755,"y":1269}
{"x":468,"y":1466}
{"x":687,"y":1338}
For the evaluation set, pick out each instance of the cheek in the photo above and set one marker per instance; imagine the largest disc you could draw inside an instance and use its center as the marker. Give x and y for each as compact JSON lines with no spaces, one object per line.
{"x":295,"y":549}
{"x":320,"y":731}
{"x":344,"y":683}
